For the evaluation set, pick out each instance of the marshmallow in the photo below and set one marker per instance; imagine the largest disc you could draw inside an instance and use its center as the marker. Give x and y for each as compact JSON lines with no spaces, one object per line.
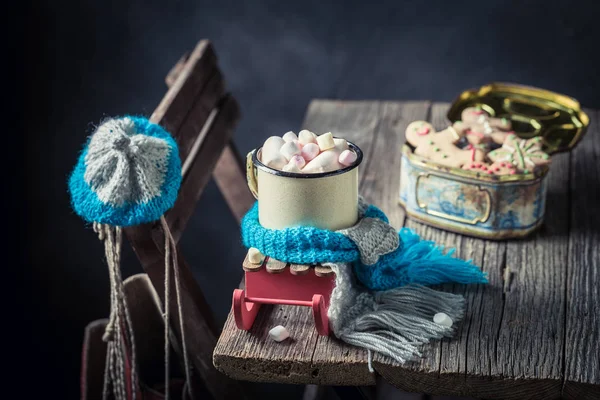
{"x":279,"y":333}
{"x":255,"y":256}
{"x":298,"y":160}
{"x":292,"y":167}
{"x":324,"y":162}
{"x":290,"y":137}
{"x":442,"y":319}
{"x":272,"y":144}
{"x":289,"y":149}
{"x":341,"y":144}
{"x":276,"y":161}
{"x":305,"y":137}
{"x":310,"y":151}
{"x":325,"y":141}
{"x":347,"y":158}
{"x":270,"y":152}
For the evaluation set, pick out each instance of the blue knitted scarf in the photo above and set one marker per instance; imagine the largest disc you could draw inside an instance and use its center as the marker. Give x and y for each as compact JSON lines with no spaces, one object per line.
{"x":415,"y":261}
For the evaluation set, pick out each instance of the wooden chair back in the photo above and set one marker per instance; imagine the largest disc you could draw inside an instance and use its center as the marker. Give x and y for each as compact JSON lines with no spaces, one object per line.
{"x":201,"y":116}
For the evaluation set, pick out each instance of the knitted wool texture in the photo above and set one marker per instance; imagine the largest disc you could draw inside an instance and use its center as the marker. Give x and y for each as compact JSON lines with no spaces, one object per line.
{"x":128,"y":173}
{"x":382,"y":258}
{"x":393,"y":322}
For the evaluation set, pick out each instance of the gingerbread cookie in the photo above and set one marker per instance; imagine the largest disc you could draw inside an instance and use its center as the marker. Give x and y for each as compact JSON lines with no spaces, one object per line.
{"x":524,"y":154}
{"x":440,"y":147}
{"x":480,"y":128}
{"x":497,"y":168}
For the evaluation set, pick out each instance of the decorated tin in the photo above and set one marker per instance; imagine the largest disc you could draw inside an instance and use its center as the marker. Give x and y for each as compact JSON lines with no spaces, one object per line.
{"x":491,"y":206}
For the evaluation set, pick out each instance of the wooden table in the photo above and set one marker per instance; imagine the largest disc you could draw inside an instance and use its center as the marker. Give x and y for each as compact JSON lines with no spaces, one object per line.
{"x":533,"y":332}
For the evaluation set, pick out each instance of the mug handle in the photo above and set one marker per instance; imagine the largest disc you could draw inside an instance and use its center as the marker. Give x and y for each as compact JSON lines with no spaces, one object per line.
{"x":251,"y":175}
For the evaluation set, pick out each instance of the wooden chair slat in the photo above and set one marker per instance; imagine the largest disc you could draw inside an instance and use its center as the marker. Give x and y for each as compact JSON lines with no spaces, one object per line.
{"x":181,"y":96}
{"x":230,"y":175}
{"x":206,"y":158}
{"x":196,"y":95}
{"x":208,"y":99}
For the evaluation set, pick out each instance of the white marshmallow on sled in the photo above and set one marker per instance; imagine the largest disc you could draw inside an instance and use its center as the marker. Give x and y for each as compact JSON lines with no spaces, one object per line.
{"x":325,"y":141}
{"x":310,"y":151}
{"x":347,"y":158}
{"x":255,"y":256}
{"x":324,"y":162}
{"x":289,"y":137}
{"x":290,"y":149}
{"x":279,"y":333}
{"x":305,"y":137}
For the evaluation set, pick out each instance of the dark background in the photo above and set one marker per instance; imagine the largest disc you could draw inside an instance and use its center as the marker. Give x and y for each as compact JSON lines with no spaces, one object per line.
{"x":83,"y":60}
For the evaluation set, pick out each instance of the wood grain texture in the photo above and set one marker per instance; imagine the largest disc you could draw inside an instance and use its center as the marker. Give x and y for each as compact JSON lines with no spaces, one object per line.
{"x":274,"y":266}
{"x":230,"y":177}
{"x":532,"y":333}
{"x":198,"y":175}
{"x":582,"y":354}
{"x":182,"y":94}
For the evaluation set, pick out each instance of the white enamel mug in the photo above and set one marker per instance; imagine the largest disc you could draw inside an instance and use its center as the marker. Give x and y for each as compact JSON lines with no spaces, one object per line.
{"x":327,"y":200}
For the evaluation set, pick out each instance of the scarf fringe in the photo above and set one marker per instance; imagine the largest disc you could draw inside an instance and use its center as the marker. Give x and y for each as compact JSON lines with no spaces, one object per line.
{"x":402,"y":320}
{"x":419,"y":262}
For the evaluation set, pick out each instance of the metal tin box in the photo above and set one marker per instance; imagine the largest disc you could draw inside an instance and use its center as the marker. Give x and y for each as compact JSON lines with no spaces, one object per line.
{"x":490,"y":206}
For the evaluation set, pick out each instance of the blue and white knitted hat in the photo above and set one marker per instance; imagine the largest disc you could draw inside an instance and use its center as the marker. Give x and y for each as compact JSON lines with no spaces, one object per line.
{"x":128,"y":173}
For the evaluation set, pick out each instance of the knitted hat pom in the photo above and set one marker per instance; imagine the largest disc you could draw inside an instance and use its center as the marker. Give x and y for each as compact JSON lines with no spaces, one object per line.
{"x":128,"y":173}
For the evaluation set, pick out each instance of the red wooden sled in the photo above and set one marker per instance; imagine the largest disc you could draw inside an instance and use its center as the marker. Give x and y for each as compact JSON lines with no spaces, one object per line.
{"x":274,"y":282}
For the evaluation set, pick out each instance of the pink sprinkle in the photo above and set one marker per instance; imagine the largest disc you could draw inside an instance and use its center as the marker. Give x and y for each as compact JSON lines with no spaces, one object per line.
{"x":484,"y":168}
{"x":347,"y":158}
{"x":423,"y":131}
{"x":310,"y":151}
{"x":513,"y":172}
{"x":496,"y":169}
{"x":478,"y":112}
{"x":477,"y":165}
{"x":490,"y":172}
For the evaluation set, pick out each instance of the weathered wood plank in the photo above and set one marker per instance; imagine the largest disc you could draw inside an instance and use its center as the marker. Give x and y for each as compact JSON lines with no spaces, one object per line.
{"x":530,"y":341}
{"x":230,"y":176}
{"x":380,"y":183}
{"x":531,"y":327}
{"x":582,"y":353}
{"x":336,"y":362}
{"x":442,"y":361}
{"x":183,"y":112}
{"x":181,"y":96}
{"x":201,"y":327}
{"x":253,"y":356}
{"x":198,"y":175}
{"x":466,"y":364}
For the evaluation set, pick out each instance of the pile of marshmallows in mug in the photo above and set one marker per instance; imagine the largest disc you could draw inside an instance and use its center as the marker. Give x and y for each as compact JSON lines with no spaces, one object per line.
{"x":306,"y":153}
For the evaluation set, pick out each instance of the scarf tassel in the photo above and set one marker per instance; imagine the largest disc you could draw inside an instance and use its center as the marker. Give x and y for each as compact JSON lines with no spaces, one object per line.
{"x":419,"y":262}
{"x":401,"y":320}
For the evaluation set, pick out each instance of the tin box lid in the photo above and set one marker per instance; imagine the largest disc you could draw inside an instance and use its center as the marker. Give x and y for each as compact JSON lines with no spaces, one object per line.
{"x":557,"y":118}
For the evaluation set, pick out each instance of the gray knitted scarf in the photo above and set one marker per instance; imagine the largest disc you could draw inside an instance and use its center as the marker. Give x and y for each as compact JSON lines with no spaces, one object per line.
{"x":394,"y":322}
